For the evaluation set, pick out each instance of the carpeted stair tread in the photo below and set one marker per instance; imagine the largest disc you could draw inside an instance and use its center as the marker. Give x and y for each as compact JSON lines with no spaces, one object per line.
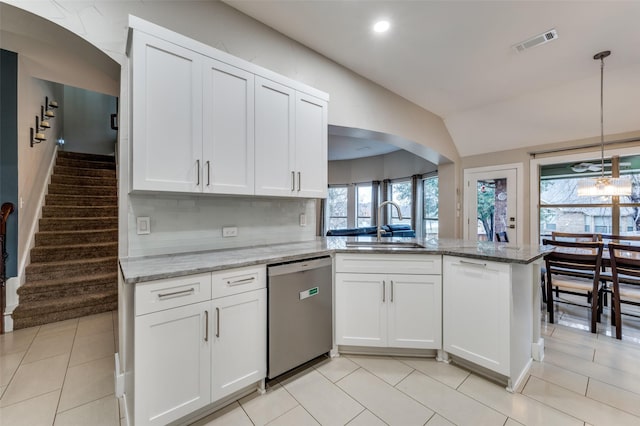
{"x":79,"y":211}
{"x":44,"y":312}
{"x":86,"y":156}
{"x":83,"y":180}
{"x":53,"y":238}
{"x":38,"y":271}
{"x":80,"y":200}
{"x":73,"y":251}
{"x":84,"y":164}
{"x":79,"y":171}
{"x":73,"y":223}
{"x":43,"y":285}
{"x":82,"y":189}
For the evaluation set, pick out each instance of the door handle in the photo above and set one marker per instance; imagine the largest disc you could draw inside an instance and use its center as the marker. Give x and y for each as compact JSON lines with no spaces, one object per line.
{"x":206,"y":326}
{"x":299,"y":174}
{"x":384,"y":290}
{"x":198,"y":173}
{"x":512,"y":226}
{"x":293,"y":181}
{"x":391,"y":291}
{"x":208,"y":172}
{"x":217,"y":322}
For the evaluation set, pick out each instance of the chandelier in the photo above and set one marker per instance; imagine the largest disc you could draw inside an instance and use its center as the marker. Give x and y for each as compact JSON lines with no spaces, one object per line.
{"x":602,"y":185}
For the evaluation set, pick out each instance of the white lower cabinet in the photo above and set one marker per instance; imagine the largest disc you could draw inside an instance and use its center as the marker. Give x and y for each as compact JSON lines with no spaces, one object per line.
{"x":477,"y":306}
{"x":172,"y":364}
{"x":189,"y":356}
{"x":239,"y":341}
{"x":388,"y":309}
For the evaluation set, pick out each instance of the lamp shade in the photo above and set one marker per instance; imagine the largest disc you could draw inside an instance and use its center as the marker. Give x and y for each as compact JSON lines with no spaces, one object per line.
{"x":604,"y":187}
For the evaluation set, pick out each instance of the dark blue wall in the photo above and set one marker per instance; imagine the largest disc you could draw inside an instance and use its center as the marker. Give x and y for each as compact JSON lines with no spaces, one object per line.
{"x":9,"y":150}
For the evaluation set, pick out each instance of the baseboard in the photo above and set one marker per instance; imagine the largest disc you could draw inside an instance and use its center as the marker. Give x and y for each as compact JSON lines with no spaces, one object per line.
{"x":8,"y":319}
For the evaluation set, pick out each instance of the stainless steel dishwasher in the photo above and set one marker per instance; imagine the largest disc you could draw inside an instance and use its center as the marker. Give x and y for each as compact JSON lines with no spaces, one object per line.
{"x":300,"y":313}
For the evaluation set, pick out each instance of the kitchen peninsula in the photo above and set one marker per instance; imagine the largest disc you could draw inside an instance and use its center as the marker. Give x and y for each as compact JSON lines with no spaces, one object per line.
{"x":479,"y":308}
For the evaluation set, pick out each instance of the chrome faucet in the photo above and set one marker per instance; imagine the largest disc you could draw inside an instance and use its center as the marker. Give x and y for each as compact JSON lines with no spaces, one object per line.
{"x":384,"y":203}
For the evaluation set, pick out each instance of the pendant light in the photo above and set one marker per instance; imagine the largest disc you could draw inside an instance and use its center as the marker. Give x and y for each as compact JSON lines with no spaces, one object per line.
{"x":603,"y":186}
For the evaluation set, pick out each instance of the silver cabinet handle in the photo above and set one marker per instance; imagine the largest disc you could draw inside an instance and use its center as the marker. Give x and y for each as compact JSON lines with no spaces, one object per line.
{"x":299,"y":174}
{"x":206,"y":326}
{"x":217,"y":322}
{"x":293,"y":181}
{"x":242,"y":281}
{"x":479,"y":265}
{"x":176,"y":293}
{"x":208,"y":172}
{"x":384,"y":290}
{"x":198,"y":173}
{"x":391,"y":290}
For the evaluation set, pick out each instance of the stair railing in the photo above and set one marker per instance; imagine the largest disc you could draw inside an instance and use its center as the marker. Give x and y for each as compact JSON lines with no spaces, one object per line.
{"x":5,"y":211}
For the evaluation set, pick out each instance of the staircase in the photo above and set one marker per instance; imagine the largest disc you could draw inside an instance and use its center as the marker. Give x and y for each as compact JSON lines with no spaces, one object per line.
{"x":74,"y":266}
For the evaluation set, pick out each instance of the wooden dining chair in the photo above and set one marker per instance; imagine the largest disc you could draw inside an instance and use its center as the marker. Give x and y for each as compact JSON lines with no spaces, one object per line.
{"x":576,"y":237}
{"x":625,"y":272}
{"x":574,"y":268}
{"x":502,"y":237}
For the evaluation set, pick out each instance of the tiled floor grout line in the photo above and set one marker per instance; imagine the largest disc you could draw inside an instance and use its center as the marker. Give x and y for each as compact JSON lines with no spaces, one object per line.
{"x":66,"y":371}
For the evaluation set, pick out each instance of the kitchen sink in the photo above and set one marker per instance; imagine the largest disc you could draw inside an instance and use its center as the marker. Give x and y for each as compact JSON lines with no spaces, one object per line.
{"x":383,"y":244}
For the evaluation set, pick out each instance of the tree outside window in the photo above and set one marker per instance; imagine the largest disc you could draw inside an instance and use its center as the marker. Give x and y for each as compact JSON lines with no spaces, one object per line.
{"x":337,"y":207}
{"x":363,"y":193}
{"x":430,"y":207}
{"x":401,"y":195}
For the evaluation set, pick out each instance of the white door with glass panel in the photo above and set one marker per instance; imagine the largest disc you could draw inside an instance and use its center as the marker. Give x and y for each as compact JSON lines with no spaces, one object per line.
{"x":490,"y":205}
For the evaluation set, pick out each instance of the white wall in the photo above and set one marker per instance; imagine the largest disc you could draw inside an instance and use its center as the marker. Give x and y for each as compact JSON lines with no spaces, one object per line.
{"x":398,"y":164}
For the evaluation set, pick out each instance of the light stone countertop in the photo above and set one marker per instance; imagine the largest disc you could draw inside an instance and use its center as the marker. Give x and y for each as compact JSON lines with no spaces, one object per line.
{"x":149,"y":268}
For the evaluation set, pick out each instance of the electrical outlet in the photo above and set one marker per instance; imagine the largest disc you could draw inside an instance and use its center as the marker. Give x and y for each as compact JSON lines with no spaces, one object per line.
{"x":143,"y":225}
{"x":303,"y":219}
{"x":229,"y":231}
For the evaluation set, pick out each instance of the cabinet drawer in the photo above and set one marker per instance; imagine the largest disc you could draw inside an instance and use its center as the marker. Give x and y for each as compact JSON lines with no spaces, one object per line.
{"x":234,"y":281}
{"x":389,"y":263}
{"x":173,"y":292}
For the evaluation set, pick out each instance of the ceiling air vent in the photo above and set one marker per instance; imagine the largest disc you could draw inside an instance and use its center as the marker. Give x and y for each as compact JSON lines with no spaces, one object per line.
{"x":543,"y":38}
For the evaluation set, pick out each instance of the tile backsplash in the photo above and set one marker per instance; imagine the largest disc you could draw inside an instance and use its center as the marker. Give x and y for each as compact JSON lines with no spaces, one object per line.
{"x":185,"y":223}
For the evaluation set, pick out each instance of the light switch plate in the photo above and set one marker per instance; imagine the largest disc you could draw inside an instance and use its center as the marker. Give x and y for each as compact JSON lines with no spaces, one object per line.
{"x":229,"y":231}
{"x":143,"y":225}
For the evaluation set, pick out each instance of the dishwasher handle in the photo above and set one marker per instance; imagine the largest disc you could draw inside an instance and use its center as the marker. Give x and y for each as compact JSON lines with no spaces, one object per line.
{"x":299,"y":266}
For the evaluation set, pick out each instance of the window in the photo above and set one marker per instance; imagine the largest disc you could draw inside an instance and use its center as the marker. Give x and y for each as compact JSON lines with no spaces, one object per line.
{"x":337,"y":206}
{"x":363,"y":194}
{"x":430,"y":207}
{"x":563,"y":210}
{"x":401,"y":195}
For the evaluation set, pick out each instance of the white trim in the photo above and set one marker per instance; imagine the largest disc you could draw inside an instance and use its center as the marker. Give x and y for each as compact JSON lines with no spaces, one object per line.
{"x":519,"y":168}
{"x":534,"y":179}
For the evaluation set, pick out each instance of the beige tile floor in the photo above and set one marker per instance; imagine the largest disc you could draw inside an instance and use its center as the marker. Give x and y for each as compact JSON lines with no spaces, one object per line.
{"x":62,"y":374}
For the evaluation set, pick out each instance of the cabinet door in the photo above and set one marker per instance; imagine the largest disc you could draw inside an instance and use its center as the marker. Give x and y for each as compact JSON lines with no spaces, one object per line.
{"x":239,"y":328}
{"x":167,"y":116}
{"x":311,"y":146}
{"x":415,"y":311}
{"x":361,"y":318}
{"x":173,"y":364}
{"x":274,"y":130}
{"x":476,"y":311}
{"x":228,"y":137}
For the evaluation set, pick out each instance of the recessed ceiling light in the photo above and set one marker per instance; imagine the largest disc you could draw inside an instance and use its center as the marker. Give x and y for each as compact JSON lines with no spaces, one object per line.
{"x":381,"y":26}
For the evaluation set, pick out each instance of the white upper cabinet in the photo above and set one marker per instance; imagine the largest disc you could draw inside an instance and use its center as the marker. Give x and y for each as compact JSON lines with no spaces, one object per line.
{"x":275,"y":148}
{"x":311,"y":146}
{"x":207,"y":122}
{"x":167,"y":115}
{"x":228,"y":148}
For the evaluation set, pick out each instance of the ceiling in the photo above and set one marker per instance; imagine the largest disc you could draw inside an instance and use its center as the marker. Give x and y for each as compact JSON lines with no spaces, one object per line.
{"x":455,"y":59}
